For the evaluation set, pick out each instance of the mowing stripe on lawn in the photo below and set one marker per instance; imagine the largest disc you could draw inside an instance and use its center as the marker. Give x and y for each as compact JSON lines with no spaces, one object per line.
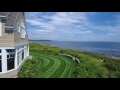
{"x":60,"y":70}
{"x":53,"y":66}
{"x":66,"y":70}
{"x":40,"y":67}
{"x":50,"y":71}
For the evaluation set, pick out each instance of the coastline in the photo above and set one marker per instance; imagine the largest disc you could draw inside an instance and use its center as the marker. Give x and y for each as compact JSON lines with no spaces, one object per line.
{"x":85,"y":52}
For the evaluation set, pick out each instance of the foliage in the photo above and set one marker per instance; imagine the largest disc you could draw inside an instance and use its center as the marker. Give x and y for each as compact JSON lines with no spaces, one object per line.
{"x":91,"y":65}
{"x":27,"y":70}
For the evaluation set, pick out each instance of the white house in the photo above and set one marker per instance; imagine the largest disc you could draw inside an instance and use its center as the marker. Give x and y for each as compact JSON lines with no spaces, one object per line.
{"x":14,"y":45}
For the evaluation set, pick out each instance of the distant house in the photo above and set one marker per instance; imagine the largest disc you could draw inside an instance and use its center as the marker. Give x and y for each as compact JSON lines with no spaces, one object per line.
{"x":14,"y":45}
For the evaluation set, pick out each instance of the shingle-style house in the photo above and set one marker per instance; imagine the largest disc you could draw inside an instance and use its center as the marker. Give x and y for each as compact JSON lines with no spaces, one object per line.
{"x":14,"y":45}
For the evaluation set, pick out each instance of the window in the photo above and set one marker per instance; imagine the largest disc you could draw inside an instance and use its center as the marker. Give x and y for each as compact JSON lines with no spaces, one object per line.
{"x":10,"y":50}
{"x":0,"y":51}
{"x":0,"y":63}
{"x":19,"y":55}
{"x":23,"y":32}
{"x":22,"y":54}
{"x":10,"y":61}
{"x":18,"y":27}
{"x":10,"y":58}
{"x":25,"y":52}
{"x":18,"y":60}
{"x":22,"y":29}
{"x":0,"y":28}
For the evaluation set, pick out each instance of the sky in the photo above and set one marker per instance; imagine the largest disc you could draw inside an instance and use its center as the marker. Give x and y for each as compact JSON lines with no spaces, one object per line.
{"x":74,"y":26}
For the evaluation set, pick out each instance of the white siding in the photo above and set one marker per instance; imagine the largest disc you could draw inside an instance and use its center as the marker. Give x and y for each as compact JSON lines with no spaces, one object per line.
{"x":0,"y":28}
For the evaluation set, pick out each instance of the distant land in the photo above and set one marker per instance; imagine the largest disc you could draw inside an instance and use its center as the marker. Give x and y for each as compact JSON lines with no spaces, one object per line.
{"x":39,"y":40}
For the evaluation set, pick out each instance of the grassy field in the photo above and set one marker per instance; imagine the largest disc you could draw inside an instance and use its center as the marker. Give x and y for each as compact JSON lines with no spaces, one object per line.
{"x":47,"y":64}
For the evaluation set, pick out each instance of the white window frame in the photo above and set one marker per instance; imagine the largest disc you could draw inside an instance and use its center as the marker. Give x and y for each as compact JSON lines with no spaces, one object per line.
{"x":0,"y":28}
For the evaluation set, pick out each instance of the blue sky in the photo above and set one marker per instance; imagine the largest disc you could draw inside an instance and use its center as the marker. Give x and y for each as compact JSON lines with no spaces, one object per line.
{"x":74,"y":26}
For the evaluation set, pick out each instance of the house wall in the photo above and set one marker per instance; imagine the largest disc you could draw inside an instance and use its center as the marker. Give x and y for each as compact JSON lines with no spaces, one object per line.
{"x":18,"y":40}
{"x":7,"y":38}
{"x":14,"y":72}
{"x":17,"y":66}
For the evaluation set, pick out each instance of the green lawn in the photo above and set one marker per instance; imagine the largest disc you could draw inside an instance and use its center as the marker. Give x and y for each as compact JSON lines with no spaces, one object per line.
{"x":50,"y":66}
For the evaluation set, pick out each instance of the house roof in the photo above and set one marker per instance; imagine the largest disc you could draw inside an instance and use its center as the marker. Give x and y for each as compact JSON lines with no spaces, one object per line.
{"x":11,"y":18}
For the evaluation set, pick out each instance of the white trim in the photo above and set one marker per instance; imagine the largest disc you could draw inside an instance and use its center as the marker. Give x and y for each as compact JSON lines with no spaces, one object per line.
{"x":9,"y":27}
{"x":4,"y":61}
{"x":16,"y":61}
{"x":2,"y":16}
{"x":22,"y":44}
{"x":0,"y":28}
{"x":7,"y":47}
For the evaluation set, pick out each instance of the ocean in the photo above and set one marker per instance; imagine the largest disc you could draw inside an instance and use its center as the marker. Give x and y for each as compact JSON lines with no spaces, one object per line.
{"x":106,"y":48}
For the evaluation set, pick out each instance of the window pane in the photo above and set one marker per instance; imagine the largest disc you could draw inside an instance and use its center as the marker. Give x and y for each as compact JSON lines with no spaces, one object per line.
{"x":0,"y":66}
{"x":10,"y":63}
{"x":18,"y":60}
{"x":7,"y":56}
{"x":10,"y":50}
{"x":7,"y":50}
{"x":22,"y":55}
{"x":0,"y":51}
{"x":11,"y":55}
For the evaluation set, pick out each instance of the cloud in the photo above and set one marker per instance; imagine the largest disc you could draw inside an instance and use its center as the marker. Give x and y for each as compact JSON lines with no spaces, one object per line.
{"x":69,"y":25}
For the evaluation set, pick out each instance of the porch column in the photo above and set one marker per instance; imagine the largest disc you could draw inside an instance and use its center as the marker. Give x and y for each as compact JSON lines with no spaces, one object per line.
{"x":16,"y":59}
{"x":4,"y":61}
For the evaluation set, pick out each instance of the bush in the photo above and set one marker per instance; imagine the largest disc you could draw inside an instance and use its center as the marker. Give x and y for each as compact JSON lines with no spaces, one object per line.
{"x":27,"y":70}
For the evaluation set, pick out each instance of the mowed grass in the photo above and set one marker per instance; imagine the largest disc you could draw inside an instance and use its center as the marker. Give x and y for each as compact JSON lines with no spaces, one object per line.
{"x":50,"y":66}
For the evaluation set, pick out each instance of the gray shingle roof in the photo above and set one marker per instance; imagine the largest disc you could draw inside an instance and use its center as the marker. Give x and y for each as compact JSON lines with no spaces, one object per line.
{"x":11,"y":18}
